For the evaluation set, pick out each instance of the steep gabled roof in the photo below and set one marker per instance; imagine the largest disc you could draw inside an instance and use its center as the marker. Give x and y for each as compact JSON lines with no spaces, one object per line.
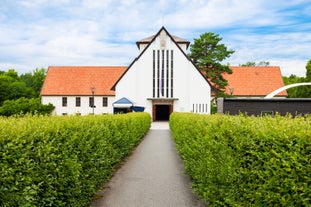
{"x":152,"y":38}
{"x":78,"y":80}
{"x":254,"y":81}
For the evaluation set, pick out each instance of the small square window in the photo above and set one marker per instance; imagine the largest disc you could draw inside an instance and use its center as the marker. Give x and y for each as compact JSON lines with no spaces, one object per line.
{"x":91,"y":101}
{"x":105,"y":101}
{"x":64,"y":101}
{"x":78,"y":101}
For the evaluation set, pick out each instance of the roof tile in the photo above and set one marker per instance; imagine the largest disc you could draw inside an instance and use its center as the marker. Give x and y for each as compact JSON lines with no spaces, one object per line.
{"x":78,"y":80}
{"x":254,"y":81}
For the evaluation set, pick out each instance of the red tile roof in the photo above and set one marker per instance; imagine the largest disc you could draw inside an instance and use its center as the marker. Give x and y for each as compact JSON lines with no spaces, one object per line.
{"x":78,"y":80}
{"x":254,"y":81}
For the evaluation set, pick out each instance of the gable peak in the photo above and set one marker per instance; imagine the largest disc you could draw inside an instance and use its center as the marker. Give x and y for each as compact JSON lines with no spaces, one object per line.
{"x":143,"y":43}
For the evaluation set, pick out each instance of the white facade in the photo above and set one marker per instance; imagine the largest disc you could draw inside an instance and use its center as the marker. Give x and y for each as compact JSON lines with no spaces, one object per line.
{"x":163,"y":75}
{"x":162,"y":80}
{"x":84,"y":108}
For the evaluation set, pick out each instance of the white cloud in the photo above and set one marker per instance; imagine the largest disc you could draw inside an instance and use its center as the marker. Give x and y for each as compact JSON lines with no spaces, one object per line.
{"x":40,"y":33}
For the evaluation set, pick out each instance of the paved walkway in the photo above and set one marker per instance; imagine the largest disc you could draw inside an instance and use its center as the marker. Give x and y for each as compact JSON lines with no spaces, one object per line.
{"x":152,"y":176}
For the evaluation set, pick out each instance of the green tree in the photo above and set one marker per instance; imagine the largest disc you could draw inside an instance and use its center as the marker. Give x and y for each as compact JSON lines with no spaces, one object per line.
{"x":4,"y":88}
{"x":12,"y":74}
{"x":308,"y":73}
{"x":13,"y":86}
{"x":35,"y":79}
{"x":19,"y":89}
{"x":296,"y":91}
{"x":207,"y":52}
{"x":261,"y":63}
{"x":301,"y":91}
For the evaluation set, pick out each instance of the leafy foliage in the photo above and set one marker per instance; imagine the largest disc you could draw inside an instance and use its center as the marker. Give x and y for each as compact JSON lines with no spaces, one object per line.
{"x":61,"y":161}
{"x":34,"y":79}
{"x":20,"y":94}
{"x":24,"y":106}
{"x":246,"y":161}
{"x":13,"y":86}
{"x":208,"y":53}
{"x":301,"y":91}
{"x":261,"y":63}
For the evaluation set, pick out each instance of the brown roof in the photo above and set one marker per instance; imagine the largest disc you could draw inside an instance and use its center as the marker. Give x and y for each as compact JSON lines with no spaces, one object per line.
{"x":254,"y":81}
{"x":78,"y":80}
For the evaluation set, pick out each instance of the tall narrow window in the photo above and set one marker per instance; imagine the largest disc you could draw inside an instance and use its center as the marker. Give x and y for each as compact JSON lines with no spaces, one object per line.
{"x":172,"y":74}
{"x":91,"y":101}
{"x":158,"y":73}
{"x":105,"y":101}
{"x":162,"y":75}
{"x":153,"y":73}
{"x":167,"y":72}
{"x":78,"y":101}
{"x":64,"y":101}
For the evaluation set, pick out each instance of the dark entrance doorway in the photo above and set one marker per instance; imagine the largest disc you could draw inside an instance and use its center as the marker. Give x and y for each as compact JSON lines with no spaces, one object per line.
{"x":162,"y":112}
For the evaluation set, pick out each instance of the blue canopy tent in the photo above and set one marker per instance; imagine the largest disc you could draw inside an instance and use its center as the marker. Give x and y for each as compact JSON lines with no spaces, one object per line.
{"x":124,"y":105}
{"x":138,"y":108}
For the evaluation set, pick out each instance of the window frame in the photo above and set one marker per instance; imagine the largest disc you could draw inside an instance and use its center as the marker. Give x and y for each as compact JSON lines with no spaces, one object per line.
{"x":91,"y":102}
{"x":105,"y":101}
{"x":64,"y":101}
{"x":78,"y":101}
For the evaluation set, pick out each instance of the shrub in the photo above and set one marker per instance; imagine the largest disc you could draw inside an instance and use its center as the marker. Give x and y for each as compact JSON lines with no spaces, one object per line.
{"x":61,"y":161}
{"x":246,"y":161}
{"x":24,"y":106}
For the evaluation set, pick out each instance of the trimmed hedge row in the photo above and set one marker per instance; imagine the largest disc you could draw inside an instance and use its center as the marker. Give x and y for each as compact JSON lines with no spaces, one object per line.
{"x":246,"y":161}
{"x":61,"y":161}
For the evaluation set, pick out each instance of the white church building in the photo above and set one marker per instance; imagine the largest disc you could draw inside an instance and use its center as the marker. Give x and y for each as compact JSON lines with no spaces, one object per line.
{"x":162,"y":79}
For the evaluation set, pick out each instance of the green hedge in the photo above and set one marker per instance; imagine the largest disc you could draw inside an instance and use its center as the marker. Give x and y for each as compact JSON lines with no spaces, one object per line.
{"x":246,"y":161}
{"x":61,"y":161}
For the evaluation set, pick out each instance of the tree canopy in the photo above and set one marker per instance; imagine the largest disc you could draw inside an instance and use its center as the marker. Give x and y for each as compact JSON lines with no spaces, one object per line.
{"x":21,"y":94}
{"x":261,"y":63}
{"x":301,"y":91}
{"x":207,"y":52}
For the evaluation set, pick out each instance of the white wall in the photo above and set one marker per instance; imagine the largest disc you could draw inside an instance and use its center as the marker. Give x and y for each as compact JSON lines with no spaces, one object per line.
{"x":84,"y":109}
{"x":190,"y":87}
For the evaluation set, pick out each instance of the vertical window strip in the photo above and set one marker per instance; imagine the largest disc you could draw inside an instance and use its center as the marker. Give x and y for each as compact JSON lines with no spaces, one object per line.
{"x":172,"y":74}
{"x":162,"y":74}
{"x":153,"y":67}
{"x":167,"y":73}
{"x":158,"y":73}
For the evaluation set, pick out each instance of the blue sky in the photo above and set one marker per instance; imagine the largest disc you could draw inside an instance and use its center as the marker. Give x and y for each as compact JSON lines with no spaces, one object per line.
{"x":40,"y":33}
